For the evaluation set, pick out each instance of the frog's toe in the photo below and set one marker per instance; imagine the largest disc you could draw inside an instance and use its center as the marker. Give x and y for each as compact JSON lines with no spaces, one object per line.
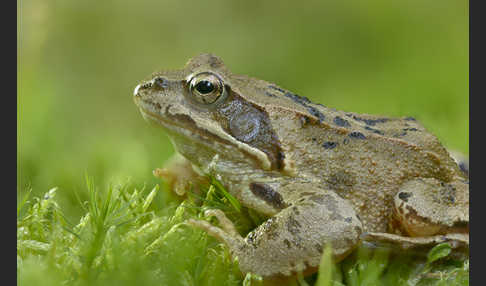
{"x":225,"y":223}
{"x":180,"y":181}
{"x":175,"y":183}
{"x":234,"y":241}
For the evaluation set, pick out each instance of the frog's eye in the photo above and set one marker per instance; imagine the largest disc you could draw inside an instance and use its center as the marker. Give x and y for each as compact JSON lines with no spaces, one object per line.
{"x":206,"y":88}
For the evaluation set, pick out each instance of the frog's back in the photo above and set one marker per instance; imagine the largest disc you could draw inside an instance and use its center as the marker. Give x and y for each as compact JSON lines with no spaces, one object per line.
{"x":396,"y":131}
{"x":313,"y":119}
{"x":364,"y":158}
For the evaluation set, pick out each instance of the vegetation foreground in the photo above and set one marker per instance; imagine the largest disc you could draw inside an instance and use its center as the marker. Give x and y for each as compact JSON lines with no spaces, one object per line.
{"x":120,"y":240}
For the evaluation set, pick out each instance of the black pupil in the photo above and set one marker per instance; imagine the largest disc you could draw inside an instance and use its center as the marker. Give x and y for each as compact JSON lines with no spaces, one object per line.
{"x":204,"y":86}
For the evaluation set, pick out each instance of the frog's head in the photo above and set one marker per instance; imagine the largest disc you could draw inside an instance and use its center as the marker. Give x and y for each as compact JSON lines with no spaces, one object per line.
{"x":205,"y":113}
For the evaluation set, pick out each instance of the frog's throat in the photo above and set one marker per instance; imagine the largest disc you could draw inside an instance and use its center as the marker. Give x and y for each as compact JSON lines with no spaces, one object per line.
{"x":183,"y":125}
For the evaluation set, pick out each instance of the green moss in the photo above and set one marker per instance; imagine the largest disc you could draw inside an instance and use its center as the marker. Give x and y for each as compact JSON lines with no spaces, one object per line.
{"x":121,"y":240}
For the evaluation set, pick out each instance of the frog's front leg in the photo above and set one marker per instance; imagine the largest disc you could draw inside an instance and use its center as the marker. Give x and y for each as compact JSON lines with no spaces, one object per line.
{"x":293,"y":239}
{"x":180,"y":175}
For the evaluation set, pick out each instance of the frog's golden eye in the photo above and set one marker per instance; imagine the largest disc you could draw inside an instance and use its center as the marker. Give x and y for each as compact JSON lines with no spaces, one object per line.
{"x":206,"y":88}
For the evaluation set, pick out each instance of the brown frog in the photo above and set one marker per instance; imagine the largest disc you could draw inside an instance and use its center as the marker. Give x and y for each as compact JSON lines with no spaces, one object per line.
{"x":321,"y":175}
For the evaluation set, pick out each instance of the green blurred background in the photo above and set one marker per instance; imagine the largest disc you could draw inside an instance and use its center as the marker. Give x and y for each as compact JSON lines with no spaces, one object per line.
{"x":79,"y":62}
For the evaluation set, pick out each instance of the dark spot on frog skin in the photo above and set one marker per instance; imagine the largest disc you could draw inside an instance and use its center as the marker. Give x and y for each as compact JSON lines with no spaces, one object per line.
{"x":214,"y":62}
{"x":287,"y":243}
{"x":318,"y":247}
{"x":302,"y":100}
{"x":314,"y":139}
{"x":280,"y":160}
{"x":303,"y":194}
{"x":270,"y":228}
{"x":341,"y":122}
{"x":297,"y":241}
{"x":277,"y":88}
{"x":266,"y":193}
{"x":251,"y":238}
{"x":404,"y":196}
{"x":304,"y":120}
{"x":161,"y":82}
{"x":293,"y":226}
{"x":345,"y":141}
{"x":461,"y":224}
{"x":270,"y":94}
{"x":357,"y":135}
{"x":464,"y":168}
{"x":316,"y":113}
{"x":410,"y":129}
{"x":371,"y":122}
{"x":348,"y":219}
{"x":448,"y":192}
{"x":410,"y":118}
{"x":155,"y":105}
{"x":374,"y":130}
{"x":146,"y":85}
{"x":329,"y":145}
{"x":400,"y":134}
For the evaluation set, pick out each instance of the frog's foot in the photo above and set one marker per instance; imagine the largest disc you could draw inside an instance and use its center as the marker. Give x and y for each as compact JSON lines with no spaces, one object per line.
{"x":226,"y":234}
{"x":455,"y":240}
{"x":180,"y":175}
{"x":293,"y":240}
{"x":226,"y":224}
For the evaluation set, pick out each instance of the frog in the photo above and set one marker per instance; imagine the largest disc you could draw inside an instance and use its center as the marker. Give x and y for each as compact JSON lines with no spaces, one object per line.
{"x":320,"y":176}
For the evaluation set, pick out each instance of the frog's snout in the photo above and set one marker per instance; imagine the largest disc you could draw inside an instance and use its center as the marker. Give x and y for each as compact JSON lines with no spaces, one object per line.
{"x":135,"y":91}
{"x":142,"y":86}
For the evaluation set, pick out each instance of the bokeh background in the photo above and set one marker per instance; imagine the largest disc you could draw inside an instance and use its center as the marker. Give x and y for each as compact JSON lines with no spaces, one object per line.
{"x":79,"y":62}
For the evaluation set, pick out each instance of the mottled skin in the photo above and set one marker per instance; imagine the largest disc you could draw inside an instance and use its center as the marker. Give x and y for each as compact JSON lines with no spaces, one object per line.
{"x":322,"y":175}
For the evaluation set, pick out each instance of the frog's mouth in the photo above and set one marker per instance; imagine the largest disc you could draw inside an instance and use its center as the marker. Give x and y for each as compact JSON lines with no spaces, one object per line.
{"x":183,"y":125}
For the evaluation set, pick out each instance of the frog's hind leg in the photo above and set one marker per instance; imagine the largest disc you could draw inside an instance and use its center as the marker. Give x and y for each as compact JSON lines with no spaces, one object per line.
{"x":427,"y":211}
{"x":427,"y":206}
{"x":292,"y":240}
{"x":455,"y":240}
